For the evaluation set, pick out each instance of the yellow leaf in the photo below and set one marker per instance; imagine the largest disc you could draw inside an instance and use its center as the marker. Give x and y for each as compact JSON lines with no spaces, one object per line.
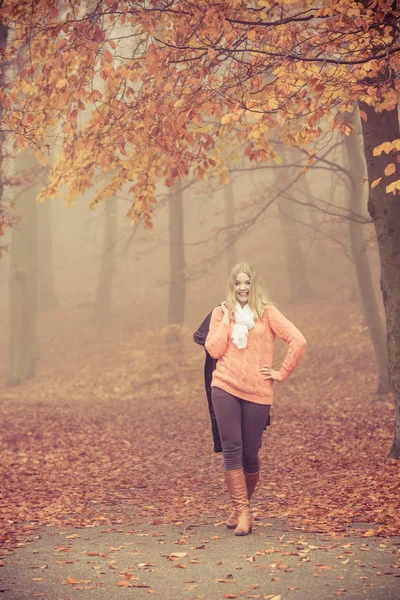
{"x":211,"y":53}
{"x":385,"y":147}
{"x":375,"y":183}
{"x":390,"y":169}
{"x":392,"y":187}
{"x":363,"y":115}
{"x":226,"y":118}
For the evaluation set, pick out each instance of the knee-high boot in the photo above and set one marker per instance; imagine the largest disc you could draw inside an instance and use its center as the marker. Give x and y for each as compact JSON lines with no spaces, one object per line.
{"x":236,"y":483}
{"x":251,"y":484}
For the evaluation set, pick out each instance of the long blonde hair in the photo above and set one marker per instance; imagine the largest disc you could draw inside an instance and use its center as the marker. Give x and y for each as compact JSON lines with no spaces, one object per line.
{"x":258,"y":300}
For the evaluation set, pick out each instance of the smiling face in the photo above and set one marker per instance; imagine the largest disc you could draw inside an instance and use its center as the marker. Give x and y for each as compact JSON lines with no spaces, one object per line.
{"x":242,"y":288}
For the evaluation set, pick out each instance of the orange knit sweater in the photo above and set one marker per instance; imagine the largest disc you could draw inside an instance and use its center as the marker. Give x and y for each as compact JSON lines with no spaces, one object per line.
{"x":238,"y":370}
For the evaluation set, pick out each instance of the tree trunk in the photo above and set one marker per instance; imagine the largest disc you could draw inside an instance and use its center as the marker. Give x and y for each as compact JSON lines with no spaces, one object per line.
{"x":176,"y":302}
{"x":23,"y":279}
{"x":366,"y":295}
{"x":102,"y":304}
{"x":46,"y":294}
{"x":296,"y":261}
{"x":384,"y":209}
{"x":229,"y":222}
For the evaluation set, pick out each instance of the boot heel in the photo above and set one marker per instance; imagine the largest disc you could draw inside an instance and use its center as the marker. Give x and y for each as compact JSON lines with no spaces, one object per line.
{"x":243,"y":533}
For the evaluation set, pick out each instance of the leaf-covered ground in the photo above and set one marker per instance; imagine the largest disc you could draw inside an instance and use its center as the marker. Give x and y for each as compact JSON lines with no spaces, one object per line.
{"x":118,"y":432}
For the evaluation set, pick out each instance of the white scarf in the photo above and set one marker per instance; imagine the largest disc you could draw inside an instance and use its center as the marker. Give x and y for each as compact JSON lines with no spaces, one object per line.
{"x":244,"y":318}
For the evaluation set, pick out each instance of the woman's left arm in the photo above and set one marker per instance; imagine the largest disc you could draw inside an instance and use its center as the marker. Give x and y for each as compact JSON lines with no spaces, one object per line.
{"x":282,"y":327}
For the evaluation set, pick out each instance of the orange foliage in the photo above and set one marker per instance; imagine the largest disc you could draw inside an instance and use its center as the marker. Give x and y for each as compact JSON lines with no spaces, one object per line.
{"x":151,"y":91}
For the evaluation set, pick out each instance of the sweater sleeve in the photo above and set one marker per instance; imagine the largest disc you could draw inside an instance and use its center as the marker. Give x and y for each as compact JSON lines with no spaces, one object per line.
{"x":292,"y":336}
{"x":217,"y":339}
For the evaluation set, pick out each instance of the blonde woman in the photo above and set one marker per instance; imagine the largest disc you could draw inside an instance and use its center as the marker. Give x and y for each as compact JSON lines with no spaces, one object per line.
{"x":241,"y":338}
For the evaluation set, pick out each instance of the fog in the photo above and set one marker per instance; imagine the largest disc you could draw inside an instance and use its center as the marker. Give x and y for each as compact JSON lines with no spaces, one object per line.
{"x":311,"y":217}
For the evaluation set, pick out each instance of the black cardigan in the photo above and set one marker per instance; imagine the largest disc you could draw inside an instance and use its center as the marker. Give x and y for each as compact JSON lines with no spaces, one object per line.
{"x":200,"y":337}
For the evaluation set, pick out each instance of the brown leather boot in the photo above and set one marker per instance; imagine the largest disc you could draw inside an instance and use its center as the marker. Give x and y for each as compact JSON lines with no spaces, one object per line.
{"x":236,"y":483}
{"x":251,"y":484}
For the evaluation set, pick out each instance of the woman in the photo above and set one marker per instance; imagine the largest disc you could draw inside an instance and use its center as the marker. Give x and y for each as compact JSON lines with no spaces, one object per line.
{"x":241,"y":337}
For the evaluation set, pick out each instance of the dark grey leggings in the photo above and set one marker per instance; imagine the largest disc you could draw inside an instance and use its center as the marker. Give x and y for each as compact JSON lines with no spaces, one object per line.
{"x":241,"y":424}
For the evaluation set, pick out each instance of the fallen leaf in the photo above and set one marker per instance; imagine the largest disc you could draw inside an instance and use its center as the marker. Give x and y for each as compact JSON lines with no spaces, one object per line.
{"x":70,"y":581}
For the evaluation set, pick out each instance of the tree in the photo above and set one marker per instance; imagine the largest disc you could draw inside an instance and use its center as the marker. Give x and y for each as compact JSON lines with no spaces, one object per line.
{"x":367,"y":296}
{"x":384,"y":208}
{"x":23,"y":275}
{"x":6,"y":217}
{"x":176,"y":299}
{"x":229,"y":223}
{"x":201,"y":75}
{"x":102,"y":303}
{"x":296,"y":261}
{"x":46,"y":294}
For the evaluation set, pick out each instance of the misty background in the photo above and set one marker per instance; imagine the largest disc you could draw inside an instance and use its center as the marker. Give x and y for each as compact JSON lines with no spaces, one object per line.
{"x":77,"y":270}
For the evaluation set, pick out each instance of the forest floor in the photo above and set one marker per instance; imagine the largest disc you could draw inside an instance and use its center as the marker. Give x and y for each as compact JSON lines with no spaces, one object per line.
{"x":110,"y":484}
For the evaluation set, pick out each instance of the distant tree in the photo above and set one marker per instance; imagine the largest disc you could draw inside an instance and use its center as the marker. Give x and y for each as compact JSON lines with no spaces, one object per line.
{"x":23,"y":274}
{"x":176,"y":297}
{"x":102,"y":303}
{"x":296,"y":261}
{"x":229,"y":196}
{"x":46,"y":290}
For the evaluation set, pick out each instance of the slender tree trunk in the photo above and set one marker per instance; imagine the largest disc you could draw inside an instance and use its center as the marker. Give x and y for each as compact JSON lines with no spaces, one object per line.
{"x":229,"y":222}
{"x":102,"y":304}
{"x":23,"y":280}
{"x":176,"y":301}
{"x":46,"y":293}
{"x":300,"y":288}
{"x":384,"y":209}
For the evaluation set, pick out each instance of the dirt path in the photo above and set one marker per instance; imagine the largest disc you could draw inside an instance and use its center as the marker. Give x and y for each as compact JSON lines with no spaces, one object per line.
{"x":200,"y":561}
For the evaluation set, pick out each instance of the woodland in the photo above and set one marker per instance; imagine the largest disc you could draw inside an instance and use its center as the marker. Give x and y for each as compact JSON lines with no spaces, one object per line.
{"x":146,"y":147}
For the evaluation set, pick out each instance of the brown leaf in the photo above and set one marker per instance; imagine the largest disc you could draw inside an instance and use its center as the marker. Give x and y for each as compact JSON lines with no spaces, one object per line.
{"x":70,"y":581}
